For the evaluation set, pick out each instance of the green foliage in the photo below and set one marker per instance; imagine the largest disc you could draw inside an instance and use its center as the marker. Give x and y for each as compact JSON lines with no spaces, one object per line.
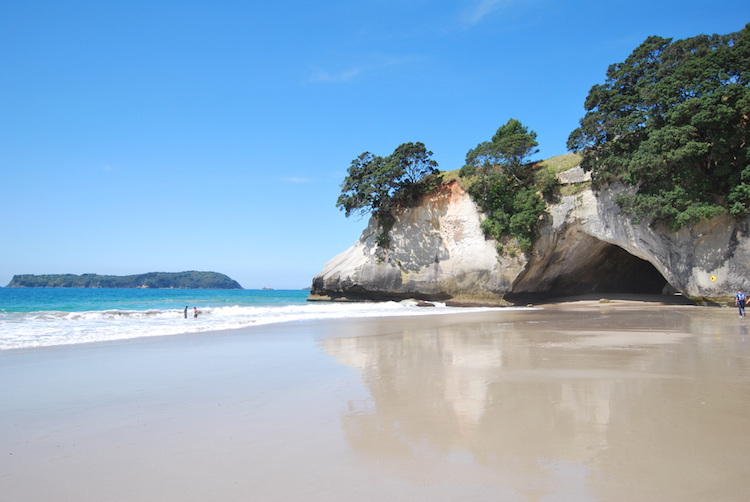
{"x":673,"y":120}
{"x":567,"y":190}
{"x":672,"y":205}
{"x":378,"y":184}
{"x":467,"y":171}
{"x":546,"y":181}
{"x":367,"y":187}
{"x":511,"y":194}
{"x":510,"y":148}
{"x":383,"y":240}
{"x":180,"y":280}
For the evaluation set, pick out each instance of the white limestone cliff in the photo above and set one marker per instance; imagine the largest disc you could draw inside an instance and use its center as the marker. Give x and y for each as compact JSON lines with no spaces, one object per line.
{"x":437,"y":251}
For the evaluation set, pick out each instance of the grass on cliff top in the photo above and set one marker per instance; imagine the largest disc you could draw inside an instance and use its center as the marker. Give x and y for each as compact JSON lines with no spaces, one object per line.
{"x":449,"y":176}
{"x":564,"y":162}
{"x":559,"y":163}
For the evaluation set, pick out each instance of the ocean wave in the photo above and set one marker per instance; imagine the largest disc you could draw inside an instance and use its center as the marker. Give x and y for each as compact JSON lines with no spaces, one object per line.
{"x":44,"y":329}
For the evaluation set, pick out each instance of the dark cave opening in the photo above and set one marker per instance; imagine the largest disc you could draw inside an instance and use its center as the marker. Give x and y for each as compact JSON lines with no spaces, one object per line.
{"x":606,"y":269}
{"x":611,"y":270}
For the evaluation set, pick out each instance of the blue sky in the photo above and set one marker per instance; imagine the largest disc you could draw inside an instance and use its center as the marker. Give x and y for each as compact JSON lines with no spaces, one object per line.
{"x":189,"y":135}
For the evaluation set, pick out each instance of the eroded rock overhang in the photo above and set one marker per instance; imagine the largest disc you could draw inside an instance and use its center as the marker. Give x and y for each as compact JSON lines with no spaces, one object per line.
{"x":588,"y":246}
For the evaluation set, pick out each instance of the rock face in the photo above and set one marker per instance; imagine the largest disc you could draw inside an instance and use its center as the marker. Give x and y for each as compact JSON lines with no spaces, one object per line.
{"x":587,"y":245}
{"x":437,"y":251}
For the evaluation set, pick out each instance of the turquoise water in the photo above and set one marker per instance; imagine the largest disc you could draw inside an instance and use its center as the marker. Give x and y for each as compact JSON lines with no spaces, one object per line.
{"x":84,"y":299}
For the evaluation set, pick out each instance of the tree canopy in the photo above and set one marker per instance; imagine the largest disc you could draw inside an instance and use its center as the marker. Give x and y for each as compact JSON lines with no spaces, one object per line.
{"x":510,"y":148}
{"x":377,"y":184}
{"x":673,"y":120}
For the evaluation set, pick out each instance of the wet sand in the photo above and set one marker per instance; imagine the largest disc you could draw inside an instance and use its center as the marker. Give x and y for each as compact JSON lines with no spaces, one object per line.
{"x":573,"y":402}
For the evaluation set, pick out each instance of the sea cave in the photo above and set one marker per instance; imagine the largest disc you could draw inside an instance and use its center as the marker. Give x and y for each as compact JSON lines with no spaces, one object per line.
{"x":591,"y":267}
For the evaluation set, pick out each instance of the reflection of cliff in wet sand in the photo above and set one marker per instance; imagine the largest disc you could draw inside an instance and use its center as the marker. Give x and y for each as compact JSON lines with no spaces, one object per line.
{"x":588,"y":402}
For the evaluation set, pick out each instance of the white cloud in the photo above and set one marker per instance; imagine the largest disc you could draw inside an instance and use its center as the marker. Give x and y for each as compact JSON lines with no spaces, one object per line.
{"x":374,"y":63}
{"x":108,"y":168}
{"x":480,"y":9}
{"x":340,"y":76}
{"x":293,"y":179}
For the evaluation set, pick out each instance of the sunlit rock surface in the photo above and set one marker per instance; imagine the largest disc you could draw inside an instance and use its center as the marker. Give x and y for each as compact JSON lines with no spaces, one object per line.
{"x":437,"y":251}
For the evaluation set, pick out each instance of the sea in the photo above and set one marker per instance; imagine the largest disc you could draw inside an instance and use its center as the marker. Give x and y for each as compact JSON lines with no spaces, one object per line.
{"x":44,"y":317}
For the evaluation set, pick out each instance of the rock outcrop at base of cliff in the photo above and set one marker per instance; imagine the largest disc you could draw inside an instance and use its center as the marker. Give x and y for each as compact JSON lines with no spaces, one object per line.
{"x":437,"y":251}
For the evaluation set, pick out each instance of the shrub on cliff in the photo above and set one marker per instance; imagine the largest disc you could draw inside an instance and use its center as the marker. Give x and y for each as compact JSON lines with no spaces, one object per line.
{"x":510,"y":191}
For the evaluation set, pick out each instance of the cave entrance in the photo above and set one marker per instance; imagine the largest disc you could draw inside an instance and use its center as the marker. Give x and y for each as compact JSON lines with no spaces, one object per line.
{"x":589,"y":266}
{"x":612,"y":270}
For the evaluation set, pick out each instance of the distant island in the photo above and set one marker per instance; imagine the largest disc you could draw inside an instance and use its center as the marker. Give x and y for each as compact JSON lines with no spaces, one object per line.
{"x":155,"y":280}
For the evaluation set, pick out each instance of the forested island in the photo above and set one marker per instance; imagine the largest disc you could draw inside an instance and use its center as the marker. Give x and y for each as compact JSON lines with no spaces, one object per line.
{"x":156,"y":280}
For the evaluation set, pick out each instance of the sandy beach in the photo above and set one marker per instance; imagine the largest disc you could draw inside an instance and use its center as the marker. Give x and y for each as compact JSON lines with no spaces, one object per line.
{"x":579,"y":401}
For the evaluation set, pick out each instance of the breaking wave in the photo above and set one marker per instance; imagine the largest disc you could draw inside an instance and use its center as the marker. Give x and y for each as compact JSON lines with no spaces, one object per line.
{"x":49,"y":328}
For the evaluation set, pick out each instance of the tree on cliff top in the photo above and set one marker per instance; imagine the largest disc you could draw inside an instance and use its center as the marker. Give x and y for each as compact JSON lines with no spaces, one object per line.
{"x":377,"y":184}
{"x":510,"y":148}
{"x":673,"y":120}
{"x":503,"y":186}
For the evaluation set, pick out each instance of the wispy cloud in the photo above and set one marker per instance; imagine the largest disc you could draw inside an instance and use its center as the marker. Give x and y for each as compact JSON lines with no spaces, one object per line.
{"x":480,"y":8}
{"x":339,"y":76}
{"x":294,"y":179}
{"x":375,"y":63}
{"x":108,"y":168}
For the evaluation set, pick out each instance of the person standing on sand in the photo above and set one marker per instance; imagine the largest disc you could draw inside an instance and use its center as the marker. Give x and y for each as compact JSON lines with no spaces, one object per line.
{"x":186,"y":307}
{"x":739,"y":300}
{"x":195,"y":312}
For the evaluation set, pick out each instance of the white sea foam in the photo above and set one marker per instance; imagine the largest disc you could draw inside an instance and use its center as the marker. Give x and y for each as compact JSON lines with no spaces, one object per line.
{"x":44,"y":329}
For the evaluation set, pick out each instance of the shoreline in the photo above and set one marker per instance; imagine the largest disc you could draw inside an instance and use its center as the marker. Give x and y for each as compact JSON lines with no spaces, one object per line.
{"x":581,"y":401}
{"x":572,"y":303}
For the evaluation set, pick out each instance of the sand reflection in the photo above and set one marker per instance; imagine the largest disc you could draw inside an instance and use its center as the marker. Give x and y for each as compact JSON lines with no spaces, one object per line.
{"x":592,"y":403}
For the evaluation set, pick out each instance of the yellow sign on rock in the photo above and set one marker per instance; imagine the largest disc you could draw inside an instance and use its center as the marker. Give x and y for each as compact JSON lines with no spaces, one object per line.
{"x":713,"y":277}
